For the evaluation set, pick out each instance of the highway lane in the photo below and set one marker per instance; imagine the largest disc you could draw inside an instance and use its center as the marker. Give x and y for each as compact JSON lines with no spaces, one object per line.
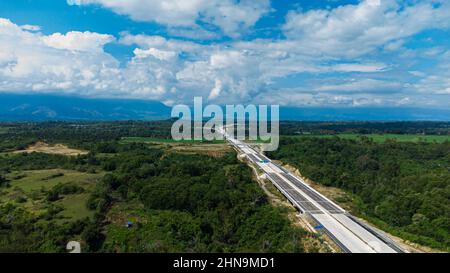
{"x":298,"y":199}
{"x":324,"y":202}
{"x":335,"y":221}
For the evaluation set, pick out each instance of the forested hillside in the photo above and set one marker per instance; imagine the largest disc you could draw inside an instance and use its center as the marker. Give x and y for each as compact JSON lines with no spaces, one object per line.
{"x":405,"y":185}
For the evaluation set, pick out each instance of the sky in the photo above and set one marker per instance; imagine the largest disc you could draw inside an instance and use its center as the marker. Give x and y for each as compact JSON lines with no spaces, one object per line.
{"x":368,"y":53}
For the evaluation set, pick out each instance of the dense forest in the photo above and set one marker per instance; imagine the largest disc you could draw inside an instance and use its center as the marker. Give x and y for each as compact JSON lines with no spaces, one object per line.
{"x":393,"y":127}
{"x":84,"y":134}
{"x":16,"y":136}
{"x":147,"y":199}
{"x":402,"y":186}
{"x":195,"y":203}
{"x":140,"y":197}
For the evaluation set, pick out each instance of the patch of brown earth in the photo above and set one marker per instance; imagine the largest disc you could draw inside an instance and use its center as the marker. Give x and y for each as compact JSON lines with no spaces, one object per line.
{"x":58,"y":149}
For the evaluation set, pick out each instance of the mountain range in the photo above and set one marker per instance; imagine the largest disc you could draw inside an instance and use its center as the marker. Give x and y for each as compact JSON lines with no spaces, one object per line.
{"x":14,"y":107}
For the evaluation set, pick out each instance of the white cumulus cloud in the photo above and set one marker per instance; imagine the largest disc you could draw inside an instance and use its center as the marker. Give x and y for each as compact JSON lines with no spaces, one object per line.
{"x":355,"y":30}
{"x":231,"y":16}
{"x":78,"y":41}
{"x":349,"y":55}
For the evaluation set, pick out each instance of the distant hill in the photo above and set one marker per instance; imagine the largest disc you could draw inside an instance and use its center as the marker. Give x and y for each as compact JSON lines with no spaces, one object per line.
{"x":51,"y":107}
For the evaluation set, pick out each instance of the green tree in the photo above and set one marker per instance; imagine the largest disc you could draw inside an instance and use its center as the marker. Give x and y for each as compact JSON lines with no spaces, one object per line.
{"x":3,"y":181}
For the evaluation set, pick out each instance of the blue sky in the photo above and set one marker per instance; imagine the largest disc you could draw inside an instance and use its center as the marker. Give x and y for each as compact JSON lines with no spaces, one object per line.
{"x":295,"y":53}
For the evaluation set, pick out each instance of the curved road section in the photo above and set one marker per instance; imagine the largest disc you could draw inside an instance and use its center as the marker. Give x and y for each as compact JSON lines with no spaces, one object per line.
{"x":344,"y":229}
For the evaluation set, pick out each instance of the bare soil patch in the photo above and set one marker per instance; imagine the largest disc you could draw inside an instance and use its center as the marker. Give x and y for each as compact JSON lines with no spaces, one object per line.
{"x":58,"y":149}
{"x":214,"y":150}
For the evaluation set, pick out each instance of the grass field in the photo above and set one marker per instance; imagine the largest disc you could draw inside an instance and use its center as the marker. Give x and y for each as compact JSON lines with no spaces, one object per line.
{"x":166,"y":140}
{"x":169,"y":140}
{"x":384,"y":137}
{"x":29,"y":181}
{"x":75,"y":206}
{"x":216,"y":148}
{"x":3,"y":130}
{"x":28,"y":189}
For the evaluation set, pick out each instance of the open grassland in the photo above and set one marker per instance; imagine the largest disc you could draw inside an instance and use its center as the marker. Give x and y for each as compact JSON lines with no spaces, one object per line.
{"x":387,"y":137}
{"x":374,"y":137}
{"x":29,"y":181}
{"x":75,"y":207}
{"x":215,"y":148}
{"x":166,"y":140}
{"x":4,"y":129}
{"x":30,"y":190}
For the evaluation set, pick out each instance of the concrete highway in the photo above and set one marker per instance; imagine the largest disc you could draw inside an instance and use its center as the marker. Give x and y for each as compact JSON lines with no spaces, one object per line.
{"x":345,"y":230}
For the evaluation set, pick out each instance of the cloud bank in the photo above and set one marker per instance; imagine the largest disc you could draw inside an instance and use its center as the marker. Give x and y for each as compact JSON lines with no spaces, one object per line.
{"x":232,"y":17}
{"x":352,"y":55}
